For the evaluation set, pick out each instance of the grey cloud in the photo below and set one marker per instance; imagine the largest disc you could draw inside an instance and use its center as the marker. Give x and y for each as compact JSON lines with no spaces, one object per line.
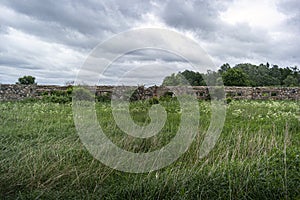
{"x":76,"y":23}
{"x":194,"y":15}
{"x":291,"y":8}
{"x":139,"y":73}
{"x":227,"y":42}
{"x":150,"y":55}
{"x":51,"y":39}
{"x":189,"y":15}
{"x":77,"y":15}
{"x":203,"y":18}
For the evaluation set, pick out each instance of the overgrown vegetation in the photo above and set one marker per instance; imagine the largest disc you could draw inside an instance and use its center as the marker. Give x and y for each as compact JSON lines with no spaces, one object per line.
{"x":58,"y":96}
{"x":244,"y":74}
{"x":65,"y":96}
{"x":26,"y":80}
{"x":256,"y":157}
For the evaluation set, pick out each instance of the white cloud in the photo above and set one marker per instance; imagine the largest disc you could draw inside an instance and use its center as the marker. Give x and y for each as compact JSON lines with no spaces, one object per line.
{"x":51,"y":39}
{"x":29,"y":53}
{"x":257,"y":13}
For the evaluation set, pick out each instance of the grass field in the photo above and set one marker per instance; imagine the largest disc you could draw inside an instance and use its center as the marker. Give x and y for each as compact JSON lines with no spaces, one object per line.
{"x":256,"y":157}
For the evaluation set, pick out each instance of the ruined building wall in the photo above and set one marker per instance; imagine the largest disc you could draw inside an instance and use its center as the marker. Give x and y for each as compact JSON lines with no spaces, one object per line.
{"x":19,"y":92}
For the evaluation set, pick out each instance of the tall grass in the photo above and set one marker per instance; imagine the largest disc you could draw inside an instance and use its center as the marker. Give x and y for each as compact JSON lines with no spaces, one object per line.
{"x":256,"y":156}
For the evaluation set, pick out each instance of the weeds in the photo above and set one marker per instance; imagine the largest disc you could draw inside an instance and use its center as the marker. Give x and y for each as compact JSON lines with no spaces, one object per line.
{"x":256,"y":157}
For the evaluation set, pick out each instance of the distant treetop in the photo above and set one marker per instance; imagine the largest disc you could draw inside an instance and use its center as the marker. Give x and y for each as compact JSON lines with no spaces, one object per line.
{"x":26,"y":80}
{"x":244,"y":74}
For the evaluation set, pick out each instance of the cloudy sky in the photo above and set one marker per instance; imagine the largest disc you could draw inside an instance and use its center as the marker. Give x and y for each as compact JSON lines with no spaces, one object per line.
{"x":52,"y":39}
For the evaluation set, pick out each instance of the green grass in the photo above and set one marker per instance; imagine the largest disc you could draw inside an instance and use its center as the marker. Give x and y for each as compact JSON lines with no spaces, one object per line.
{"x":256,"y":157}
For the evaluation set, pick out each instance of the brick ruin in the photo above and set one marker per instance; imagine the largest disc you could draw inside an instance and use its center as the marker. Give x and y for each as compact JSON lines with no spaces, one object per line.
{"x":10,"y":92}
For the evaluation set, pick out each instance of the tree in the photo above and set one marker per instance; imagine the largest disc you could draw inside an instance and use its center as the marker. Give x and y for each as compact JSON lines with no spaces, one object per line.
{"x":26,"y":80}
{"x":290,"y":81}
{"x":174,"y":80}
{"x":224,"y":68}
{"x":212,"y":78}
{"x":285,"y":72}
{"x":276,"y":75}
{"x":235,"y":77}
{"x":184,"y":78}
{"x":243,"y":74}
{"x":194,"y":78}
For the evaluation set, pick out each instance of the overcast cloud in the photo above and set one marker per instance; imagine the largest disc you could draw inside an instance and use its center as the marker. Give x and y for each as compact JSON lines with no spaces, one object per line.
{"x":51,"y":39}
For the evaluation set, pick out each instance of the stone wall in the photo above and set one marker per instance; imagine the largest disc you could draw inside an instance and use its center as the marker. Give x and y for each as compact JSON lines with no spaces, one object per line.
{"x":19,"y":92}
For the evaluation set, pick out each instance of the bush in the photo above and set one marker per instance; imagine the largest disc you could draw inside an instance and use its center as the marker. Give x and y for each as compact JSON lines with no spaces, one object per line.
{"x":103,"y":98}
{"x":228,"y":100}
{"x":57,"y":99}
{"x":168,"y":96}
{"x":58,"y":96}
{"x":26,"y":80}
{"x":29,"y":100}
{"x":82,"y":94}
{"x":79,"y":93}
{"x":154,"y":100}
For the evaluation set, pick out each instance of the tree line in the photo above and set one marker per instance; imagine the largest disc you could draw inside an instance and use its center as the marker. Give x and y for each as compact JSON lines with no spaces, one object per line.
{"x":244,"y":74}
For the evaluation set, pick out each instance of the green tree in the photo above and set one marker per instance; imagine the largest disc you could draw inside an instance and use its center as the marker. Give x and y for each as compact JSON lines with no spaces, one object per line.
{"x":243,"y":74}
{"x":184,"y":78}
{"x":285,"y":72}
{"x":258,"y":75}
{"x":290,"y":81}
{"x":26,"y":80}
{"x":235,"y":77}
{"x":194,"y":78}
{"x":212,"y":78}
{"x":276,"y":75}
{"x":174,"y":80}
{"x":224,"y":68}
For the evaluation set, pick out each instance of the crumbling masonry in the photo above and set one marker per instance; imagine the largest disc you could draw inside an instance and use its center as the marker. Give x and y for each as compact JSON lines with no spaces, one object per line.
{"x":10,"y":92}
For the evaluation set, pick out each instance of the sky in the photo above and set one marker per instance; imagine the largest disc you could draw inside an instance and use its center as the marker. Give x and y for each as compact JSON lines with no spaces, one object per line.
{"x":51,"y":40}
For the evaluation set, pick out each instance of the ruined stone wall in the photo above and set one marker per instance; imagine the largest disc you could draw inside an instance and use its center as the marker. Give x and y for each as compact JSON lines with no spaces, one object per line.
{"x":19,"y":92}
{"x":16,"y":92}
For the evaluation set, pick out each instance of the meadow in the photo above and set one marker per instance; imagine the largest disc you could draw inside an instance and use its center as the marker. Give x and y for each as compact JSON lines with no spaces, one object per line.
{"x":256,"y":157}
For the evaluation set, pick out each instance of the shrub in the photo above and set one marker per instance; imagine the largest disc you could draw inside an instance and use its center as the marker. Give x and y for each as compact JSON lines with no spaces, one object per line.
{"x":228,"y":100}
{"x":82,"y":94}
{"x":103,"y":98}
{"x":26,"y":80}
{"x":58,"y":96}
{"x":57,"y":99}
{"x":154,"y":100}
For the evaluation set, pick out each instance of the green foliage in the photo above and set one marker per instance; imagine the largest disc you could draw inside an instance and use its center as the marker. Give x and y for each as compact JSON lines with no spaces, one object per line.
{"x":69,"y":90}
{"x":228,"y":100}
{"x":213,"y":78}
{"x":263,"y":75}
{"x":194,"y":78}
{"x":184,"y":78}
{"x":30,"y":100}
{"x":224,"y":68}
{"x":290,"y":81}
{"x":257,"y":155}
{"x":154,"y":100}
{"x":82,"y":94}
{"x":244,"y":74}
{"x":103,"y":98}
{"x":26,"y":80}
{"x":168,"y":96}
{"x":235,"y":77}
{"x":58,"y":96}
{"x":79,"y":93}
{"x":175,"y":80}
